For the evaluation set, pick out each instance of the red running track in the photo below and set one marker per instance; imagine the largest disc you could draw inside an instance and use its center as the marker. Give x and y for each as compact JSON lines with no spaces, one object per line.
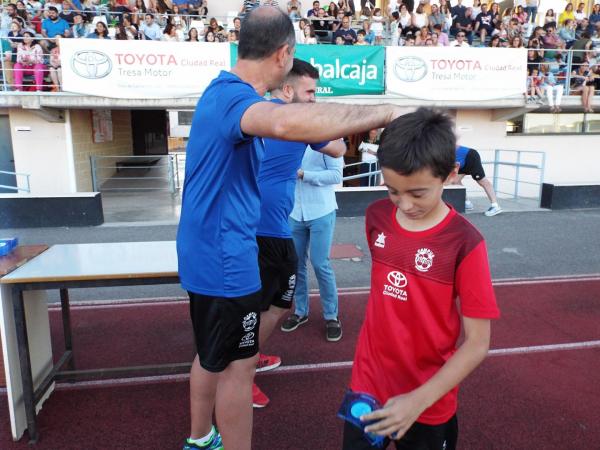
{"x":527,"y":400}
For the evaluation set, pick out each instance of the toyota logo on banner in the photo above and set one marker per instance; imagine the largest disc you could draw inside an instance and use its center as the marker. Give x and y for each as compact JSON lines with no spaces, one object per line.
{"x":410,"y":69}
{"x":91,"y":64}
{"x":397,"y":279}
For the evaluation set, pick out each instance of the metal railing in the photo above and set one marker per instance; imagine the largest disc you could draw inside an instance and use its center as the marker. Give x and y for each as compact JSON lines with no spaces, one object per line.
{"x":17,"y":187}
{"x":372,"y":175}
{"x":124,"y":173}
{"x":527,"y":169}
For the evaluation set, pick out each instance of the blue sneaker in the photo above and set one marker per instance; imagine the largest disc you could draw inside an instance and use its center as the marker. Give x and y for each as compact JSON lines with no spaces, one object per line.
{"x":215,"y":443}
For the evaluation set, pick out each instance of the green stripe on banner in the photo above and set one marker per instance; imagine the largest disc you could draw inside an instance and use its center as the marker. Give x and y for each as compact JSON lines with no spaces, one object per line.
{"x":344,"y":69}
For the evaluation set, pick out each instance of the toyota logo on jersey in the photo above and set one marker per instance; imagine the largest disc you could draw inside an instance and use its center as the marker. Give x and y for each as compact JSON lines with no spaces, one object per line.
{"x":397,"y":281}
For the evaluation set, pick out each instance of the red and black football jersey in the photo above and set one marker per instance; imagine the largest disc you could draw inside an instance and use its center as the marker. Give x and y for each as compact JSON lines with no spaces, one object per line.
{"x":412,"y":321}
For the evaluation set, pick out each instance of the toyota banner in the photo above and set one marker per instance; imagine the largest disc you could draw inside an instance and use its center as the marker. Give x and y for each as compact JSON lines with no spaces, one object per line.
{"x":458,"y":74}
{"x":140,"y":69}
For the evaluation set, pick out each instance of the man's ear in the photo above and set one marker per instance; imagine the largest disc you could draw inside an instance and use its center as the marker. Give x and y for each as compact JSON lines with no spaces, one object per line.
{"x":282,"y":55}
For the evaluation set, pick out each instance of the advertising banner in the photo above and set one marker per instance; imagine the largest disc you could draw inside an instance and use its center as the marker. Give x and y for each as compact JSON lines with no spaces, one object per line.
{"x":140,"y":69}
{"x":453,"y":73}
{"x":344,"y":69}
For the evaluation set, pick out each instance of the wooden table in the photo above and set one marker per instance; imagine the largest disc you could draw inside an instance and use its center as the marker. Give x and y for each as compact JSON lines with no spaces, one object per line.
{"x":71,"y":266}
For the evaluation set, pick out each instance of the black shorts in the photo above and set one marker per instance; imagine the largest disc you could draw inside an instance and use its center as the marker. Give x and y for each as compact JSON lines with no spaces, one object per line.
{"x":278,"y":264}
{"x":225,"y":329}
{"x":418,"y":437}
{"x":473,"y":166}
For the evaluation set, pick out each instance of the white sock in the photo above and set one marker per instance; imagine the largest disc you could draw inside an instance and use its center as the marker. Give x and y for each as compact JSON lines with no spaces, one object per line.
{"x":206,"y":439}
{"x":495,"y":205}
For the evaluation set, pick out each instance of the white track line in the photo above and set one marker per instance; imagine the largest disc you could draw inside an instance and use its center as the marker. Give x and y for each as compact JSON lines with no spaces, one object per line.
{"x":362,"y":290}
{"x":316,"y":367}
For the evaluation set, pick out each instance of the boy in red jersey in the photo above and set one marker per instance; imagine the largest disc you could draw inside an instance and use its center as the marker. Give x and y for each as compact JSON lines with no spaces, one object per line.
{"x":425,"y":255}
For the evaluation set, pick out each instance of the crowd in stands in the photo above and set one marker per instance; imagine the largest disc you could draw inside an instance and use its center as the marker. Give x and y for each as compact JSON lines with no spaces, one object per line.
{"x":30,"y":30}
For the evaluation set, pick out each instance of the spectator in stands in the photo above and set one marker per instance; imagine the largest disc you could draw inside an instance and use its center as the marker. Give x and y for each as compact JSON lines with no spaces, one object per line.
{"x":120,"y":33}
{"x":567,"y":32}
{"x":149,"y":29}
{"x":406,"y":19}
{"x":30,"y":61}
{"x":394,"y":26}
{"x":484,"y":23}
{"x":551,"y":86}
{"x":550,"y":17}
{"x":299,"y":29}
{"x":209,"y":36}
{"x":531,"y":8}
{"x":203,"y":9}
{"x":464,"y":25}
{"x":170,"y":33}
{"x":422,"y":36}
{"x":7,"y":62}
{"x":460,"y":40}
{"x":516,"y":42}
{"x":308,"y":35}
{"x":131,"y":29}
{"x":377,"y":22}
{"x":566,"y":14}
{"x":315,"y":9}
{"x":182,"y":6}
{"x":294,"y":7}
{"x":580,"y":13}
{"x":6,"y":18}
{"x":192,"y":35}
{"x":369,"y":33}
{"x":534,"y":86}
{"x":581,"y":47}
{"x":15,"y":36}
{"x":583,"y":81}
{"x":332,"y":10}
{"x":442,"y":37}
{"x":345,"y":32}
{"x":457,"y":11}
{"x":501,"y":33}
{"x":520,"y":14}
{"x":409,"y":41}
{"x":322,"y":24}
{"x":101,"y":31}
{"x":233,"y":36}
{"x":54,"y":26}
{"x":551,"y":40}
{"x":213,"y":24}
{"x":420,"y":19}
{"x":360,"y":38}
{"x":78,"y":29}
{"x":494,"y":41}
{"x":595,"y":16}
{"x":247,"y":6}
{"x":436,"y":17}
{"x":368,"y":150}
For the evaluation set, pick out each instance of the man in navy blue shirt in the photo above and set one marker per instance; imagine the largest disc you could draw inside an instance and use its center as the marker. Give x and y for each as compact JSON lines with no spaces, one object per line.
{"x":216,"y":241}
{"x":277,"y":181}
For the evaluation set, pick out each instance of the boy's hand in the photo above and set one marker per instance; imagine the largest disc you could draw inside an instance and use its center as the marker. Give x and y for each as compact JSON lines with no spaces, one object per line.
{"x":396,"y":416}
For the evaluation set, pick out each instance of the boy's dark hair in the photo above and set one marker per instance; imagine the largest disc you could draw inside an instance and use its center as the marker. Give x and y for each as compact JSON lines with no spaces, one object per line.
{"x":361,"y":32}
{"x":302,"y":68}
{"x":265,"y":30}
{"x":423,"y":139}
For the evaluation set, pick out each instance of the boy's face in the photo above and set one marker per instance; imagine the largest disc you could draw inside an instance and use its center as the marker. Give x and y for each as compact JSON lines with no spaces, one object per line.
{"x":416,"y":195}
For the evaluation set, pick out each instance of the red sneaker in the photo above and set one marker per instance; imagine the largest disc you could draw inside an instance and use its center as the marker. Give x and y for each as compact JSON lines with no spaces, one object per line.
{"x":259,"y":399}
{"x":266,"y":362}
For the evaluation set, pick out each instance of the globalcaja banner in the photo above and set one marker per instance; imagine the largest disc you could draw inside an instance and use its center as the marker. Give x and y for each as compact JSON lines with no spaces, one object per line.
{"x":344,"y":69}
{"x":140,"y":69}
{"x":453,"y":73}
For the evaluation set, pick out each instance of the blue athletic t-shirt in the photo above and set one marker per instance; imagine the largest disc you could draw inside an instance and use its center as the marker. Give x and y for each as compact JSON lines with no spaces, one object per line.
{"x":277,"y":182}
{"x":461,"y":155}
{"x":216,"y":240}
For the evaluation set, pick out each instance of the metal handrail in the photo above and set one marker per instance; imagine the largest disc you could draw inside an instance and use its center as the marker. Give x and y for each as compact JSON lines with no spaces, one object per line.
{"x":27,"y":177}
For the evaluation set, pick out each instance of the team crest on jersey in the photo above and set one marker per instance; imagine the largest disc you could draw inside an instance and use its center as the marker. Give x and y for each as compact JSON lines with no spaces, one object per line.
{"x":424,"y":259}
{"x":249,"y":321}
{"x":380,"y":242}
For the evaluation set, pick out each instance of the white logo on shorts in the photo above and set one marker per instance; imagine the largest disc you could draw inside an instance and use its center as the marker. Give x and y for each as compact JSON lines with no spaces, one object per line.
{"x":289,"y":293}
{"x":249,"y":321}
{"x":424,"y":259}
{"x":247,"y":340}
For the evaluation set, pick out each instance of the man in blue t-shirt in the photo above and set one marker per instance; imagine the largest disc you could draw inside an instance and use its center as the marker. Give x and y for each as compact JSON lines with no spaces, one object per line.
{"x":216,"y":240}
{"x":276,"y":182}
{"x":54,"y":25}
{"x":468,"y":162}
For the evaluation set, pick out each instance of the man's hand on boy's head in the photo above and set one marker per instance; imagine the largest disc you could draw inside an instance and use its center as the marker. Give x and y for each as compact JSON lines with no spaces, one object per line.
{"x":396,"y":416}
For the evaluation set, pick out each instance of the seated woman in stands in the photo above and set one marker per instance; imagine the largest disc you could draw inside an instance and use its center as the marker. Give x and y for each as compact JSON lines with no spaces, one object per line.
{"x":101,"y":32}
{"x":30,"y":61}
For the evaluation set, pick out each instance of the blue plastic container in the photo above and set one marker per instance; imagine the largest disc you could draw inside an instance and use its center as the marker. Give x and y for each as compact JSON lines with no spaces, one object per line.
{"x":8,"y":245}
